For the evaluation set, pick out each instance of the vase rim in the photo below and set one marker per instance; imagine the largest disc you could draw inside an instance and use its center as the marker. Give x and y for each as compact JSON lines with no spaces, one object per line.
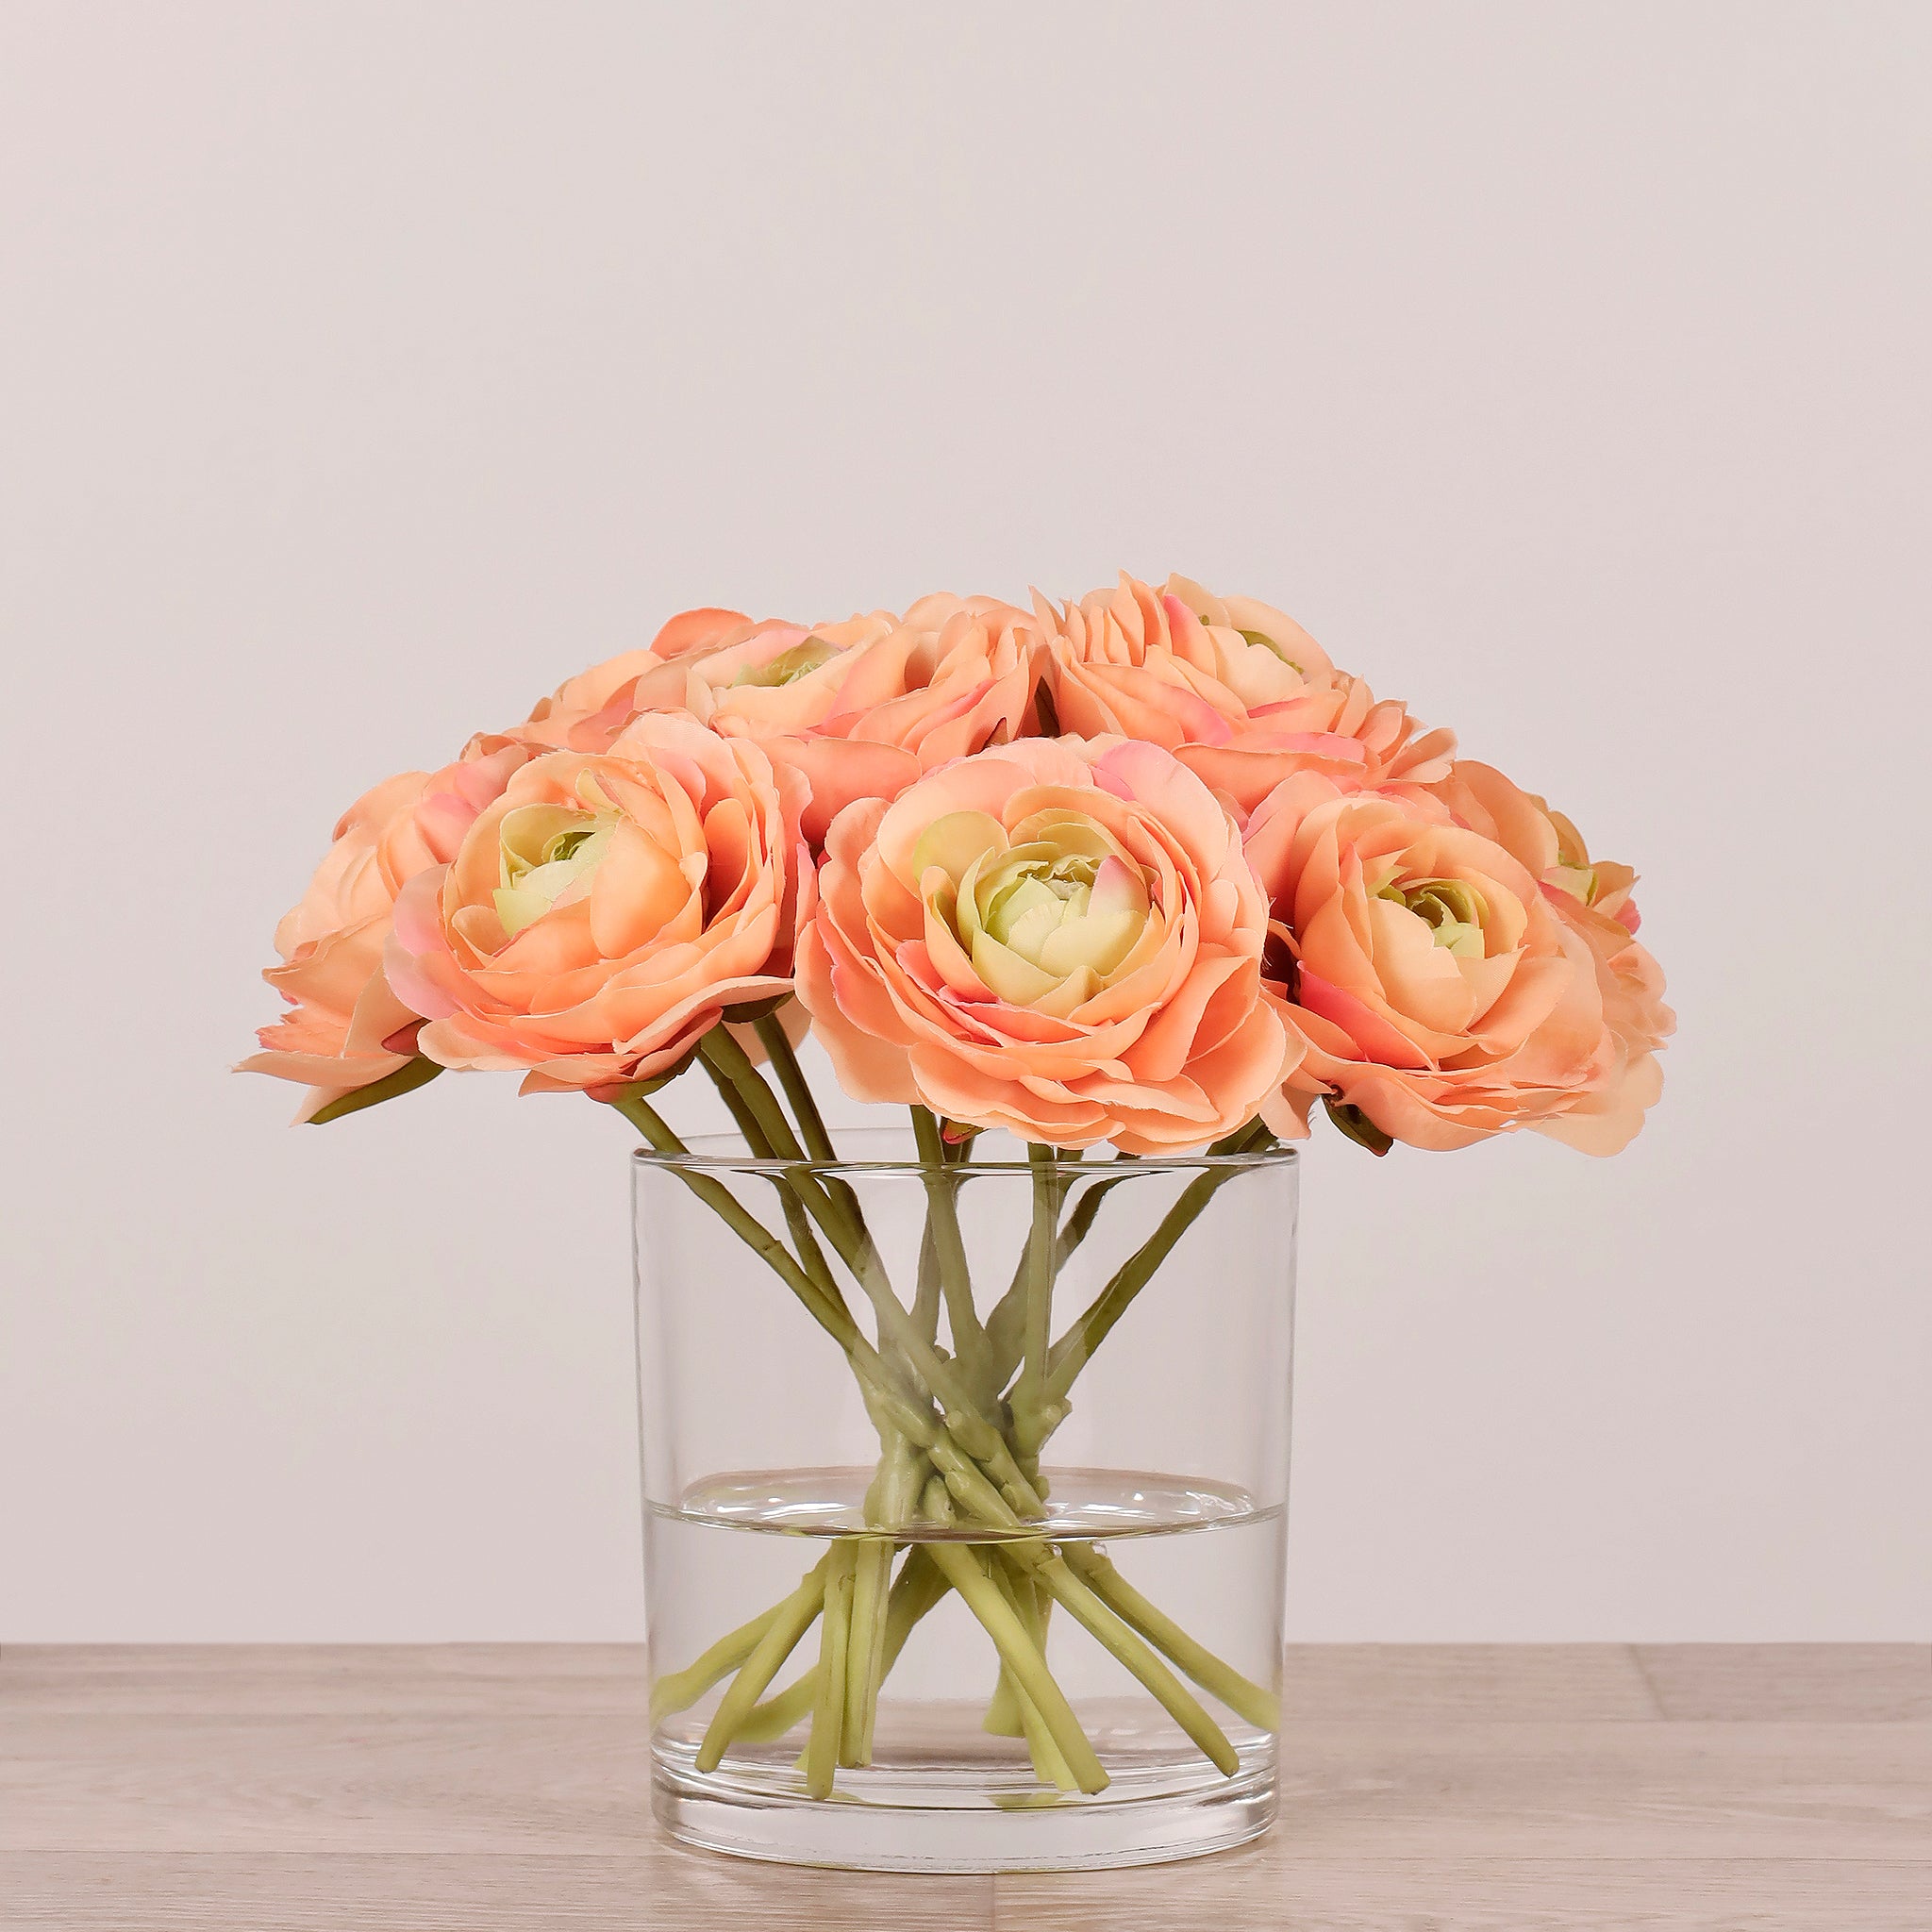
{"x":727,"y":1151}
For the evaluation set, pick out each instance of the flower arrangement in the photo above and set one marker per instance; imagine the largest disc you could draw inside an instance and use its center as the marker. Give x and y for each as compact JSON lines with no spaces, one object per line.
{"x":1143,"y":870}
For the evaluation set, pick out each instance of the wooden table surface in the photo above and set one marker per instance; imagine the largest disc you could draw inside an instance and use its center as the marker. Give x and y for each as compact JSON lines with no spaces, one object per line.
{"x":1759,"y":1789}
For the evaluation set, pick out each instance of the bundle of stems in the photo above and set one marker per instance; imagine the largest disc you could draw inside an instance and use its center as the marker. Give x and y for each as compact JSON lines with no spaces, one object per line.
{"x":958,"y":1502}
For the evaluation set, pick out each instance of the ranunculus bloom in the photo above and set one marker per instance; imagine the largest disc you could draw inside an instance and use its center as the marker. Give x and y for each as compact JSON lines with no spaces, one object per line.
{"x":590,"y":711}
{"x":1239,"y":693}
{"x":860,"y":706}
{"x":863,"y":707}
{"x":1440,"y":987}
{"x":1632,"y":985}
{"x":1544,"y":840}
{"x":1056,"y":937}
{"x":1592,"y":898}
{"x":600,"y":916}
{"x":346,"y":1029}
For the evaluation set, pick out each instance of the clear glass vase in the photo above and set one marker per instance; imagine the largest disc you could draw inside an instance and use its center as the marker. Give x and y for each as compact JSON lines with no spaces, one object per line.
{"x":965,"y":1490}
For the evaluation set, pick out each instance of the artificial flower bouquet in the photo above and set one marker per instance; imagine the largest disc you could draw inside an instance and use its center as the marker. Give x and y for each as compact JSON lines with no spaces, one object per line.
{"x":1143,"y":872}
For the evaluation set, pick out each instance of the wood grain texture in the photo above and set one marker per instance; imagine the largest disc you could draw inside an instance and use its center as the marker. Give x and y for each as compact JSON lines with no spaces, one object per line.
{"x":276,"y":1680}
{"x":1262,"y":1887}
{"x":1885,"y":1683}
{"x":577,"y":1784}
{"x":665,"y":1889}
{"x":1484,"y":1681}
{"x":1671,"y":1789}
{"x":1556,"y":1790}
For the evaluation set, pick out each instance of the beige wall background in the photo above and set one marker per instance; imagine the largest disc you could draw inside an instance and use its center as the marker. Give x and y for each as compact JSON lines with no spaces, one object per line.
{"x":367,"y":369}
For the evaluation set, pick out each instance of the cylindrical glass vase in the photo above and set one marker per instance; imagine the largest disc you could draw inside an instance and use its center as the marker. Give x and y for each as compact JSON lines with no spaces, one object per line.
{"x":965,"y":1488}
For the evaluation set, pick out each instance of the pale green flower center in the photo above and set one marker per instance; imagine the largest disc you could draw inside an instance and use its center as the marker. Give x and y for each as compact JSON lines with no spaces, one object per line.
{"x":1452,"y":911}
{"x":1268,"y":643}
{"x":788,"y":667}
{"x":1579,"y":881}
{"x":543,"y":850}
{"x":1573,"y":872}
{"x":1037,"y":897}
{"x":1046,"y":914}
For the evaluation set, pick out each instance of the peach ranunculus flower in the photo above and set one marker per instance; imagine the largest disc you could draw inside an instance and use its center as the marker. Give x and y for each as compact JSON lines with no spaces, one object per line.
{"x":1592,"y":898}
{"x":603,"y":913}
{"x":346,"y":1029}
{"x":1443,"y":992}
{"x":860,"y":706}
{"x":1056,"y":937}
{"x":590,"y":711}
{"x":1632,"y":985}
{"x":1239,"y":693}
{"x":1544,"y":840}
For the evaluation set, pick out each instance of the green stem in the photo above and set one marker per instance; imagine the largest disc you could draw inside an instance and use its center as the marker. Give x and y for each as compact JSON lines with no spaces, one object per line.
{"x":1119,"y":1636}
{"x":793,"y":1617}
{"x":891,"y":1501}
{"x":682,"y":1689}
{"x":1032,"y":1419}
{"x":969,"y":1345}
{"x":1005,"y":1327}
{"x":1079,"y":1224}
{"x":856,"y":1602}
{"x":963,"y":1570}
{"x":964,"y":1421}
{"x":804,"y":1106}
{"x":1050,"y":1765}
{"x":883,"y":1397}
{"x":730,"y":1062}
{"x":980,"y":1439}
{"x":1243,"y":1696}
{"x":1005,"y":1716}
{"x":759,"y":1145}
{"x":828,"y":1202}
{"x":830,"y":1314}
{"x":1039,"y":1268}
{"x":925,"y":1296}
{"x":1052,"y":1573}
{"x":823,"y":1750}
{"x":872,"y":1574}
{"x":916,"y":1594}
{"x":846,"y":1231}
{"x":856,"y":1608}
{"x":990,"y":1507}
{"x":777,"y":1715}
{"x":1073,"y":1350}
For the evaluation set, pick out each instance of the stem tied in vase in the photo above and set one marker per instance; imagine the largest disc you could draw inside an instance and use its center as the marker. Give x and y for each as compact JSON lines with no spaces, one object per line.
{"x":960,"y":1434}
